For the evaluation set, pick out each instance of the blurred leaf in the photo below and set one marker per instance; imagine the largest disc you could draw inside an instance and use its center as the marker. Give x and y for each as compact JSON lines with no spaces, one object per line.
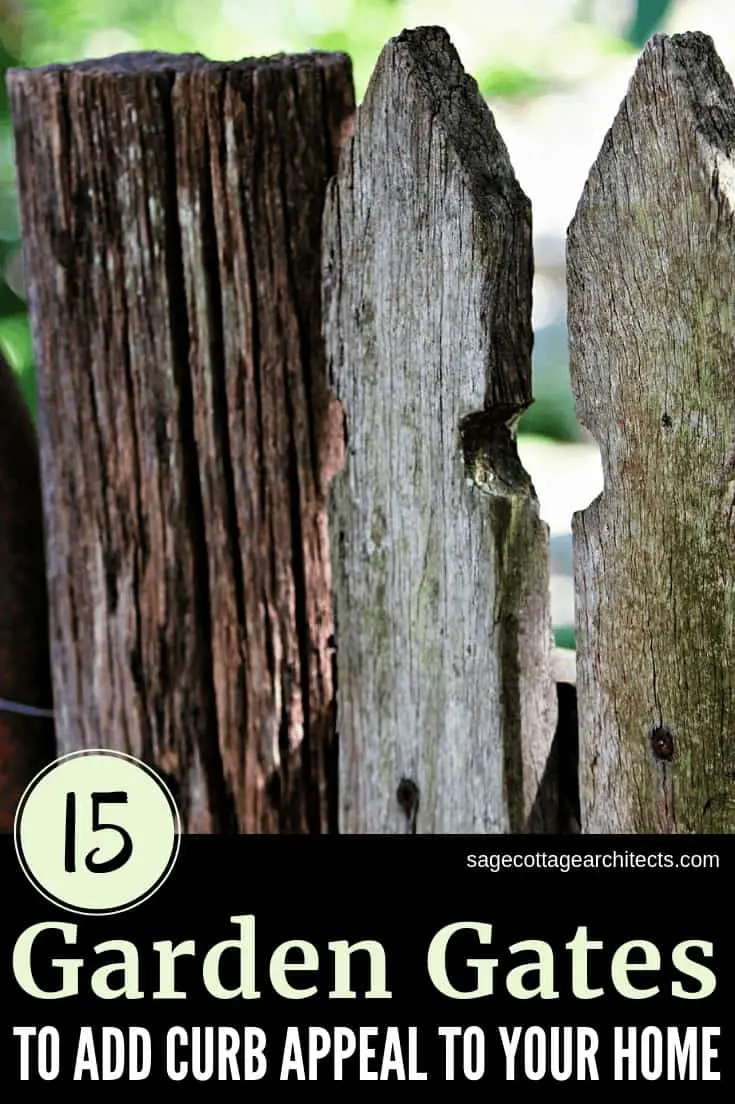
{"x":565,"y":637}
{"x":649,"y":15}
{"x":10,"y":304}
{"x":17,"y":348}
{"x":15,"y":340}
{"x":552,"y":415}
{"x":363,"y":39}
{"x":6,"y":62}
{"x":510,"y":82}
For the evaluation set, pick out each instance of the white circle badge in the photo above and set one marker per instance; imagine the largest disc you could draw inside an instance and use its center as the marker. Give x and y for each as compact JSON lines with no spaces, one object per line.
{"x":97,"y":832}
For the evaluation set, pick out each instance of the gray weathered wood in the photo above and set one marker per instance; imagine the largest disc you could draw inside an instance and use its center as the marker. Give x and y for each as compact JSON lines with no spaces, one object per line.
{"x":445,"y":700}
{"x":651,"y":270}
{"x":171,"y":216}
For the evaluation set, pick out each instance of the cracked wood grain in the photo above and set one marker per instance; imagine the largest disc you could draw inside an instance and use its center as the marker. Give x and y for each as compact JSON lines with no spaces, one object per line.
{"x":446,"y":704}
{"x":171,"y":213}
{"x":651,"y":266}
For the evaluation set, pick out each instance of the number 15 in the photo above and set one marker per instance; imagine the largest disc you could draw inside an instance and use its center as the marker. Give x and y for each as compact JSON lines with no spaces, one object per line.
{"x":117,"y":797}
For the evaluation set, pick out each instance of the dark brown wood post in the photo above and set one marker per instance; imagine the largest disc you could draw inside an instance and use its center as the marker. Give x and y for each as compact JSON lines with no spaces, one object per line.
{"x":171,"y":213}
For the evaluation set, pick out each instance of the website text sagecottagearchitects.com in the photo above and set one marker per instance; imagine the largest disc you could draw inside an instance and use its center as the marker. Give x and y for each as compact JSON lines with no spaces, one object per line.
{"x":613,"y":860}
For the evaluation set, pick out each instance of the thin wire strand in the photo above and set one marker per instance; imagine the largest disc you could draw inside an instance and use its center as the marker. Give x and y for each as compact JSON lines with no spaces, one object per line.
{"x":7,"y":706}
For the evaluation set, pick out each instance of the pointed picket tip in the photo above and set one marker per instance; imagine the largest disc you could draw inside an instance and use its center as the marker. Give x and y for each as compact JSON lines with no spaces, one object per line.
{"x":681,"y":72}
{"x":679,"y":106}
{"x":650,"y":272}
{"x":419,"y":76}
{"x":456,"y":106}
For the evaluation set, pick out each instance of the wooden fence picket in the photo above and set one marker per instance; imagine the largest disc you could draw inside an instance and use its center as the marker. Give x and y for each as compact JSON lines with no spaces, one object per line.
{"x":446,"y":704}
{"x":651,"y":271}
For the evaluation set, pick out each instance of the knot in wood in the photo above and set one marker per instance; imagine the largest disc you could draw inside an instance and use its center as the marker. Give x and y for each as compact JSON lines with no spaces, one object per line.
{"x":490,"y":452}
{"x":407,"y":796}
{"x":662,"y":743}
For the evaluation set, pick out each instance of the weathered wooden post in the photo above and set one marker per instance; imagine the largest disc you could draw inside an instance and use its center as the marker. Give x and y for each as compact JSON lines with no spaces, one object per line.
{"x":651,"y":269}
{"x":445,"y":699}
{"x":171,"y":214}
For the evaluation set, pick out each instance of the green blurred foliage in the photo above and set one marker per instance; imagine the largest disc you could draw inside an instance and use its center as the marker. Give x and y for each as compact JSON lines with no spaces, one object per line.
{"x":37,"y":32}
{"x":649,"y":15}
{"x":565,"y":636}
{"x":510,"y":81}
